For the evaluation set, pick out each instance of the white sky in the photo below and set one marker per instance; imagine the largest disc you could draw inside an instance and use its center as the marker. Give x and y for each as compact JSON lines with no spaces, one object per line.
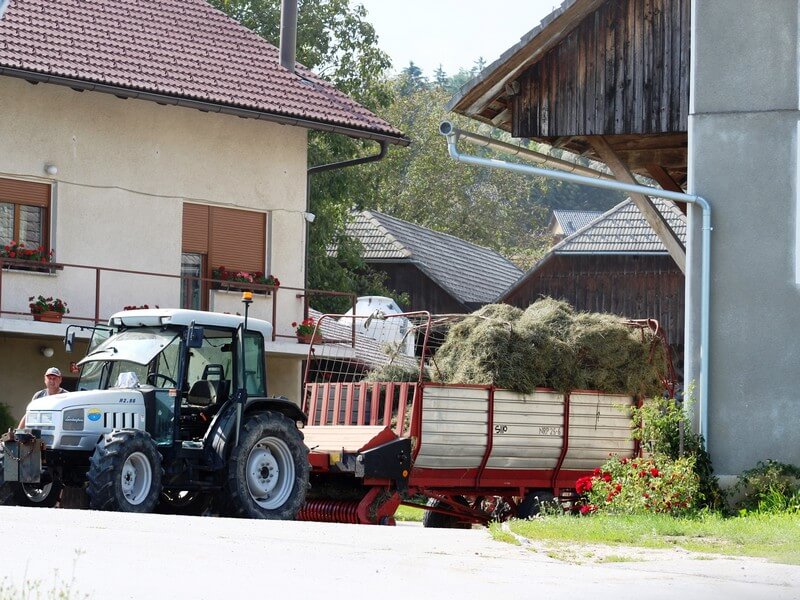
{"x":452,"y":33}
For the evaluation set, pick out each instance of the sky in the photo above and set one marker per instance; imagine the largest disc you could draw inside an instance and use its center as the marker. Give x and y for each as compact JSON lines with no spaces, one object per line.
{"x":453,"y":33}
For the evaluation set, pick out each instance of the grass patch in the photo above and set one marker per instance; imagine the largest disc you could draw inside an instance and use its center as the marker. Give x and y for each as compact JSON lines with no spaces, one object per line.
{"x":409,"y":513}
{"x":501,"y":535}
{"x":618,"y":558}
{"x":774,"y":537}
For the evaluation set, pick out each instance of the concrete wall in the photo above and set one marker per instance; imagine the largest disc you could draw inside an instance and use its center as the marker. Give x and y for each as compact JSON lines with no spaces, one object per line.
{"x":22,"y":367}
{"x":743,"y":158}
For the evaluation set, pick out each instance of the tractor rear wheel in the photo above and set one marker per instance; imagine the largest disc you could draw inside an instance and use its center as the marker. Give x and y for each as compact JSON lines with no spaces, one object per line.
{"x":125,"y":473}
{"x":268,"y":470}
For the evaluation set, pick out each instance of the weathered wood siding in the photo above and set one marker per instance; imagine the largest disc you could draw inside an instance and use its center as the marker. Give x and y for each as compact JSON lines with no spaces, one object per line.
{"x":636,"y":287}
{"x":424,"y":293}
{"x":623,"y":70}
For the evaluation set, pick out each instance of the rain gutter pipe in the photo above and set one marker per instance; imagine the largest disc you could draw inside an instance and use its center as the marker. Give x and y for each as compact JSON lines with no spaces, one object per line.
{"x":452,"y":134}
{"x":330,"y":167}
{"x":543,"y":159}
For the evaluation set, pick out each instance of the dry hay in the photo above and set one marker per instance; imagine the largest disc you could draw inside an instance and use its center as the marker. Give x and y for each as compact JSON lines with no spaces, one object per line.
{"x":549,"y":345}
{"x":394,"y":372}
{"x":485,"y":348}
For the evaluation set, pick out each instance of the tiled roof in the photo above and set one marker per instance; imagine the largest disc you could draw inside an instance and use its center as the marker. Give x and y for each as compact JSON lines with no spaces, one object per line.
{"x":181,"y":49}
{"x":572,"y":220}
{"x":469,"y":273}
{"x":623,"y":229}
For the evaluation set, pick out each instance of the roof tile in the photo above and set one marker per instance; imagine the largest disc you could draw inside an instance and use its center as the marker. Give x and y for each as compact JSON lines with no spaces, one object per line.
{"x":182,"y":48}
{"x":470,"y":273}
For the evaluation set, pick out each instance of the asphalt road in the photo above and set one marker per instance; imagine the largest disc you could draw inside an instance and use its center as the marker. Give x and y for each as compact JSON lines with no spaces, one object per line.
{"x":111,"y":555}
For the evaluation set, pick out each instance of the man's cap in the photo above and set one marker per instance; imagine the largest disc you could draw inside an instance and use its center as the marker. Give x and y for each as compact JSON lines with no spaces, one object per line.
{"x":53,"y":371}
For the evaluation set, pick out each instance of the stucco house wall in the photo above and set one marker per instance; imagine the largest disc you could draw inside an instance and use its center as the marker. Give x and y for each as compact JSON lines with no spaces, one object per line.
{"x":125,"y":167}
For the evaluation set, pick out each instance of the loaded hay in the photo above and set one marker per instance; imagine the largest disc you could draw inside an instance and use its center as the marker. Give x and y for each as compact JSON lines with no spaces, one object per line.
{"x":550,"y":345}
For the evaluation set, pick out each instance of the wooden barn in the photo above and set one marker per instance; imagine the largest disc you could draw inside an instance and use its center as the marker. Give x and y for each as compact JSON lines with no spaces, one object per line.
{"x":440,"y":273}
{"x":615,"y":264}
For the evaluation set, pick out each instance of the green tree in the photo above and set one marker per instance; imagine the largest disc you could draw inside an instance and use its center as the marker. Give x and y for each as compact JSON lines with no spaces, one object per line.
{"x":336,"y":41}
{"x":495,"y":208}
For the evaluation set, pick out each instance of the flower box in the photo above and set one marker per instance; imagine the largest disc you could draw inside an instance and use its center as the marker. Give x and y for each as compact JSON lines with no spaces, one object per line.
{"x":48,"y":316}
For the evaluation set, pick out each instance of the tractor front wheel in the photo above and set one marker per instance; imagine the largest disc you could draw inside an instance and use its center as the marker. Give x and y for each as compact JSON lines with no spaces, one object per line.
{"x":268,"y":470}
{"x":125,"y":473}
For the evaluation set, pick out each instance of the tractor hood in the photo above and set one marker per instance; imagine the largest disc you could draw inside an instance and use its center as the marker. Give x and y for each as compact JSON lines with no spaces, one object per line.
{"x":112,"y":397}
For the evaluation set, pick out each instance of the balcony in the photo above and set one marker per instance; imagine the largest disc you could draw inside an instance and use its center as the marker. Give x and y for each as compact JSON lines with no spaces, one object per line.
{"x":94,"y":293}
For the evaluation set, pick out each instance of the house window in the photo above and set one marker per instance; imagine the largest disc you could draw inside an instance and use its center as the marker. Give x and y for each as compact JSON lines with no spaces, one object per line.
{"x":216,"y":237}
{"x":24,"y":211}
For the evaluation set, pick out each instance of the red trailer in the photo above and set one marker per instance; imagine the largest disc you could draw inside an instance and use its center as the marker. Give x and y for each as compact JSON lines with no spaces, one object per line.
{"x":466,"y":453}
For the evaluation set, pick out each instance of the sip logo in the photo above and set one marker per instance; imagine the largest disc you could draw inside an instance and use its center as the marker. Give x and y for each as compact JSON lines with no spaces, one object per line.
{"x":94,"y":414}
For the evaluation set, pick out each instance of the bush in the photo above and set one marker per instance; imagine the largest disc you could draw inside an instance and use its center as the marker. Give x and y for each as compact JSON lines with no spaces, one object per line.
{"x":7,"y":421}
{"x":657,"y":484}
{"x":769,"y":487}
{"x":659,"y":432}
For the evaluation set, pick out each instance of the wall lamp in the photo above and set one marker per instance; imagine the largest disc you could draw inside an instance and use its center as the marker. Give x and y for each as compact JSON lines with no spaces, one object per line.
{"x":46,"y":351}
{"x":51,"y":169}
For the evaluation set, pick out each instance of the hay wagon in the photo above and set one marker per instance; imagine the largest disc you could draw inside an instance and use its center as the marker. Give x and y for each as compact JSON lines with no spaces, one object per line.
{"x":382,"y":435}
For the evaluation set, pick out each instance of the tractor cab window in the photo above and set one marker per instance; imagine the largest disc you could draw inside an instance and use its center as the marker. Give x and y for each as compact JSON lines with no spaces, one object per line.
{"x":212,"y":363}
{"x":254,"y":364}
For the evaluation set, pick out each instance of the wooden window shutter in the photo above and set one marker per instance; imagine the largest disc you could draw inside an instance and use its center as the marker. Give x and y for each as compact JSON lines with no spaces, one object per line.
{"x":25,"y":192}
{"x":237,"y":239}
{"x":195,"y":228}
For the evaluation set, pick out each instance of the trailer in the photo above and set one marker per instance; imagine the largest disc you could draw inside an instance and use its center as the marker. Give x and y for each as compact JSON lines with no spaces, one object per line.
{"x":465,"y":453}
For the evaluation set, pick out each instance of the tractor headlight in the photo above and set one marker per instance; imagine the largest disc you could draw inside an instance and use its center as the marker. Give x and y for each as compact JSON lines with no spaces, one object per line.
{"x":34,"y":418}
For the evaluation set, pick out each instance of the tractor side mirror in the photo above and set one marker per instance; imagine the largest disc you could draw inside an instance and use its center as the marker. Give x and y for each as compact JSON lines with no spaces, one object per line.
{"x":195,"y":337}
{"x":69,"y":341}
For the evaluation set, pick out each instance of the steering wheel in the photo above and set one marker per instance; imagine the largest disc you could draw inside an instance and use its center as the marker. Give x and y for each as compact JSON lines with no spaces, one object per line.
{"x":156,"y":376}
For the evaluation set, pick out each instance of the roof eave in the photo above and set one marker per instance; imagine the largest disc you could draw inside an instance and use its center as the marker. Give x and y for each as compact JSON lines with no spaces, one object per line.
{"x":473,"y":97}
{"x":202,"y":105}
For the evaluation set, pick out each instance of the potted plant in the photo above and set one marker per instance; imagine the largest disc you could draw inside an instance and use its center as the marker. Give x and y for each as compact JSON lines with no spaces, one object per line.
{"x":306,"y":331}
{"x":225,"y":279}
{"x":50,"y":310}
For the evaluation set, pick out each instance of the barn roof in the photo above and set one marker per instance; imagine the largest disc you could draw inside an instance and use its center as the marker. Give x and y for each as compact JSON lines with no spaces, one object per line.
{"x":623,"y":230}
{"x":471,"y":274}
{"x":572,"y":220}
{"x":480,"y":97}
{"x":181,"y":52}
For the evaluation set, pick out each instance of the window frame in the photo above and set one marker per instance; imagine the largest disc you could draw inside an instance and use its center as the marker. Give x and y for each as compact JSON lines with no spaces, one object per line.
{"x":21,"y":192}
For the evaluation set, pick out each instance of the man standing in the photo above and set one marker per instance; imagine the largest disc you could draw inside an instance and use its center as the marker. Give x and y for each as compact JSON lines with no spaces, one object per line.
{"x":52,"y":384}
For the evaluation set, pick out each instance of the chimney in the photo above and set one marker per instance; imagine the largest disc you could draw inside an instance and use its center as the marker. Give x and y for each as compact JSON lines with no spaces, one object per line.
{"x":288,"y":34}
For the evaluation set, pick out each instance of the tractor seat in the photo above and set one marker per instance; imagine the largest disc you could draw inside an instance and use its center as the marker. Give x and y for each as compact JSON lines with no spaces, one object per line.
{"x":203,"y":393}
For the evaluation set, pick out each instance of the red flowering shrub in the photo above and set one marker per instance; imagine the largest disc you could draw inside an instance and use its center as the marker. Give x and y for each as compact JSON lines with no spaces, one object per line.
{"x":18,"y":250}
{"x":223,"y":274}
{"x":655,"y":484}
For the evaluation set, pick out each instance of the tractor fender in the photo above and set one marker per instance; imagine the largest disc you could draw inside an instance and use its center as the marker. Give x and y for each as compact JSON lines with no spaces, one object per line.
{"x":221,"y":434}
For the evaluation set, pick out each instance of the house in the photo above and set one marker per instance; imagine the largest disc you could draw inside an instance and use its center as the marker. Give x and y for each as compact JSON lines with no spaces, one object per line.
{"x":440,"y":272}
{"x":145,"y":144}
{"x":564,"y":223}
{"x":630,"y":83}
{"x":615,"y":264}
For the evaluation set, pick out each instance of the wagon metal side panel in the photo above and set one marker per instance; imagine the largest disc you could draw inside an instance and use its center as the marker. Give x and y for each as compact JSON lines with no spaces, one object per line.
{"x":528,"y":430}
{"x":454,"y":427}
{"x":598,"y":426}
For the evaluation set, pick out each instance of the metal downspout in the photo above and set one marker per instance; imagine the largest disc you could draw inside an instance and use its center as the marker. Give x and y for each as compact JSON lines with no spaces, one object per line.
{"x":330,"y":167}
{"x":451,"y":133}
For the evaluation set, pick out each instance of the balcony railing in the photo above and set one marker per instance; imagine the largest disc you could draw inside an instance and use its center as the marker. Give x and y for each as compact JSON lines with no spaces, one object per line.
{"x":94,"y":293}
